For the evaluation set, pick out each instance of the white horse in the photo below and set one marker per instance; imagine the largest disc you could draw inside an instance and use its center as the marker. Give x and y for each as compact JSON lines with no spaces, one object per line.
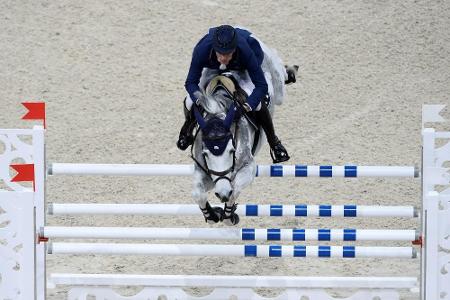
{"x":224,"y":150}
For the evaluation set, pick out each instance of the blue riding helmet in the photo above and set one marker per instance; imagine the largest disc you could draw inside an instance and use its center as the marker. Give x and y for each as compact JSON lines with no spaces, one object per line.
{"x":225,"y":39}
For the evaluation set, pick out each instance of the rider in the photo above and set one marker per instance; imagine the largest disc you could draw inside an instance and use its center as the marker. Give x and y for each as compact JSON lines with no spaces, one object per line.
{"x":226,"y":48}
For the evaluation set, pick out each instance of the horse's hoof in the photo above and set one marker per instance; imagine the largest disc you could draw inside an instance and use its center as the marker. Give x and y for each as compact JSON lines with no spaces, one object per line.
{"x":212,"y":215}
{"x":231,"y":220}
{"x":219,"y":212}
{"x":215,"y":216}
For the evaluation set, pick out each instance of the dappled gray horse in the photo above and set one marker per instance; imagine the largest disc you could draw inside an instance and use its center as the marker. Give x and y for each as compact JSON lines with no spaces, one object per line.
{"x":224,"y":148}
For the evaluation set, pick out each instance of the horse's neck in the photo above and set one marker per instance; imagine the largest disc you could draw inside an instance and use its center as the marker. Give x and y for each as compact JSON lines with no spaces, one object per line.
{"x":217,"y":106}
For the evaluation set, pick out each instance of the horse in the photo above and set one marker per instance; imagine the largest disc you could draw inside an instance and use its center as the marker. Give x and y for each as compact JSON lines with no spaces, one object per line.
{"x":223,"y":149}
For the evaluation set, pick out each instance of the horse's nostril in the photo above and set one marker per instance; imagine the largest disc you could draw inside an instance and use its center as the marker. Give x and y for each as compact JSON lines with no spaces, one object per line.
{"x":217,"y":195}
{"x":230,"y":193}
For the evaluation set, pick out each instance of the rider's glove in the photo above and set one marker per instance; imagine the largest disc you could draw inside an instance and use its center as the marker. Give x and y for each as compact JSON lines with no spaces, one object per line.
{"x":200,"y":98}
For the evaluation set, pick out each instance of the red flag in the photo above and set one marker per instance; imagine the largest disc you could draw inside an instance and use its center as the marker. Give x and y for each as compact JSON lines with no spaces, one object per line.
{"x":36,"y":111}
{"x":25,"y":172}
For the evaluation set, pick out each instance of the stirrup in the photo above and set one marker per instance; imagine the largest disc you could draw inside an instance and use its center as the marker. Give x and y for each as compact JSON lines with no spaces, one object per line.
{"x":279,"y":154}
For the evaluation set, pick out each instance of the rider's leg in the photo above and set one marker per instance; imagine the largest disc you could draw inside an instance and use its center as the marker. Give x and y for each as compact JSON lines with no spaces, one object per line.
{"x":265,"y":119}
{"x":186,"y":138}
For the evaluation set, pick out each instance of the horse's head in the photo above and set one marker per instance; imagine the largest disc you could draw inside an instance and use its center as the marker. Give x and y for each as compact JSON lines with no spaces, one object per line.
{"x":218,"y":151}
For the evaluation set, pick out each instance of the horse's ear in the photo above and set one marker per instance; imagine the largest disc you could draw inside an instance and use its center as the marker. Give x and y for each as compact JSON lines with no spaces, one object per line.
{"x":230,"y":116}
{"x":198,"y":116}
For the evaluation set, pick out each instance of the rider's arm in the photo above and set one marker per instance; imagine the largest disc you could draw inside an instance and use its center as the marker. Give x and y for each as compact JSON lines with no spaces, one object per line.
{"x":195,"y":72}
{"x":257,"y":76}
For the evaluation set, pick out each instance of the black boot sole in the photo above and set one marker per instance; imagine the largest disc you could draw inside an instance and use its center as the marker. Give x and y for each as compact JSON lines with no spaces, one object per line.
{"x":280,"y":160}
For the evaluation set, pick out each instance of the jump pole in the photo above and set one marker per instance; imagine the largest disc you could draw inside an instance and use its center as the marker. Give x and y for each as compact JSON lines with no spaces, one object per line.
{"x":239,"y":234}
{"x":248,"y":210}
{"x":261,"y":171}
{"x":231,"y":250}
{"x":230,"y":280}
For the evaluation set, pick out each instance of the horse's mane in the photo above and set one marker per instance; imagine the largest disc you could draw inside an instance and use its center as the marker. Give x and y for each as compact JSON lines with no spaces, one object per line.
{"x":218,"y":102}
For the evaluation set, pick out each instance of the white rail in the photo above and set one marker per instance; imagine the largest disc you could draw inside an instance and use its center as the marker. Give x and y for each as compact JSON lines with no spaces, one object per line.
{"x":246,"y":234}
{"x":249,"y":210}
{"x":262,"y":170}
{"x":231,"y":250}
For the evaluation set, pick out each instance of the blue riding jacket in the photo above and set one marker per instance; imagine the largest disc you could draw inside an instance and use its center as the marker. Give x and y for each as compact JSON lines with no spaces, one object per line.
{"x":248,"y":56}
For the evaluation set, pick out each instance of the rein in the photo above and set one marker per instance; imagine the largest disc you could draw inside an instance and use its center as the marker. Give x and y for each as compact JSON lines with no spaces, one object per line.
{"x":230,"y":86}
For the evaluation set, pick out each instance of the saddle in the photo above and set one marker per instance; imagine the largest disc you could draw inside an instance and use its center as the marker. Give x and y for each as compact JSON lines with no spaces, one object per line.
{"x":239,"y":96}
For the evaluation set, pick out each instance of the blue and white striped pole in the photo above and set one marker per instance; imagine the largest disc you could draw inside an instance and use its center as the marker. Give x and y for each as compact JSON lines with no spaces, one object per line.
{"x":244,"y":234}
{"x":231,"y":250}
{"x":262,"y":170}
{"x":335,"y":171}
{"x":249,"y":210}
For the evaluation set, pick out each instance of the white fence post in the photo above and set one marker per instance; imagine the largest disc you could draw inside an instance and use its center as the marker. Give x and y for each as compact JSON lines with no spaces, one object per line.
{"x":435,"y":209}
{"x":18,"y":203}
{"x":40,"y":211}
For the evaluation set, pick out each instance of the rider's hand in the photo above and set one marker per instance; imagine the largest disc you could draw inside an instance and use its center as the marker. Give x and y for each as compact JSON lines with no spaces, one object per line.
{"x":238,"y":113}
{"x":239,"y":96}
{"x":200,"y":98}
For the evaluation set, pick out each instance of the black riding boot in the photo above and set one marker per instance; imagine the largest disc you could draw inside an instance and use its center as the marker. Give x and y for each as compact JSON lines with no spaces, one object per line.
{"x":292,"y":73}
{"x":186,"y":136}
{"x":278,"y":152}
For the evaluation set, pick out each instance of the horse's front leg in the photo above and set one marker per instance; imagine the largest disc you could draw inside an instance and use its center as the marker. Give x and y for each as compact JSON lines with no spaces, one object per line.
{"x":201,"y":185}
{"x":244,"y":177}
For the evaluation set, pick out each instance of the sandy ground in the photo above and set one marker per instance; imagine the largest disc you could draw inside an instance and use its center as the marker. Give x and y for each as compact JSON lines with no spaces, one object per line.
{"x":112,"y":74}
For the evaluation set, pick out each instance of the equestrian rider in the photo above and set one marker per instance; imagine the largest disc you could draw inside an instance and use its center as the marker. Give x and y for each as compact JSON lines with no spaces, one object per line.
{"x":226,"y":48}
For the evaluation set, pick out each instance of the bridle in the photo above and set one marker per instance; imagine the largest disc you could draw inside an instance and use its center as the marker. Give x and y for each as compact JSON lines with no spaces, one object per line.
{"x":210,"y":172}
{"x":225,"y":82}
